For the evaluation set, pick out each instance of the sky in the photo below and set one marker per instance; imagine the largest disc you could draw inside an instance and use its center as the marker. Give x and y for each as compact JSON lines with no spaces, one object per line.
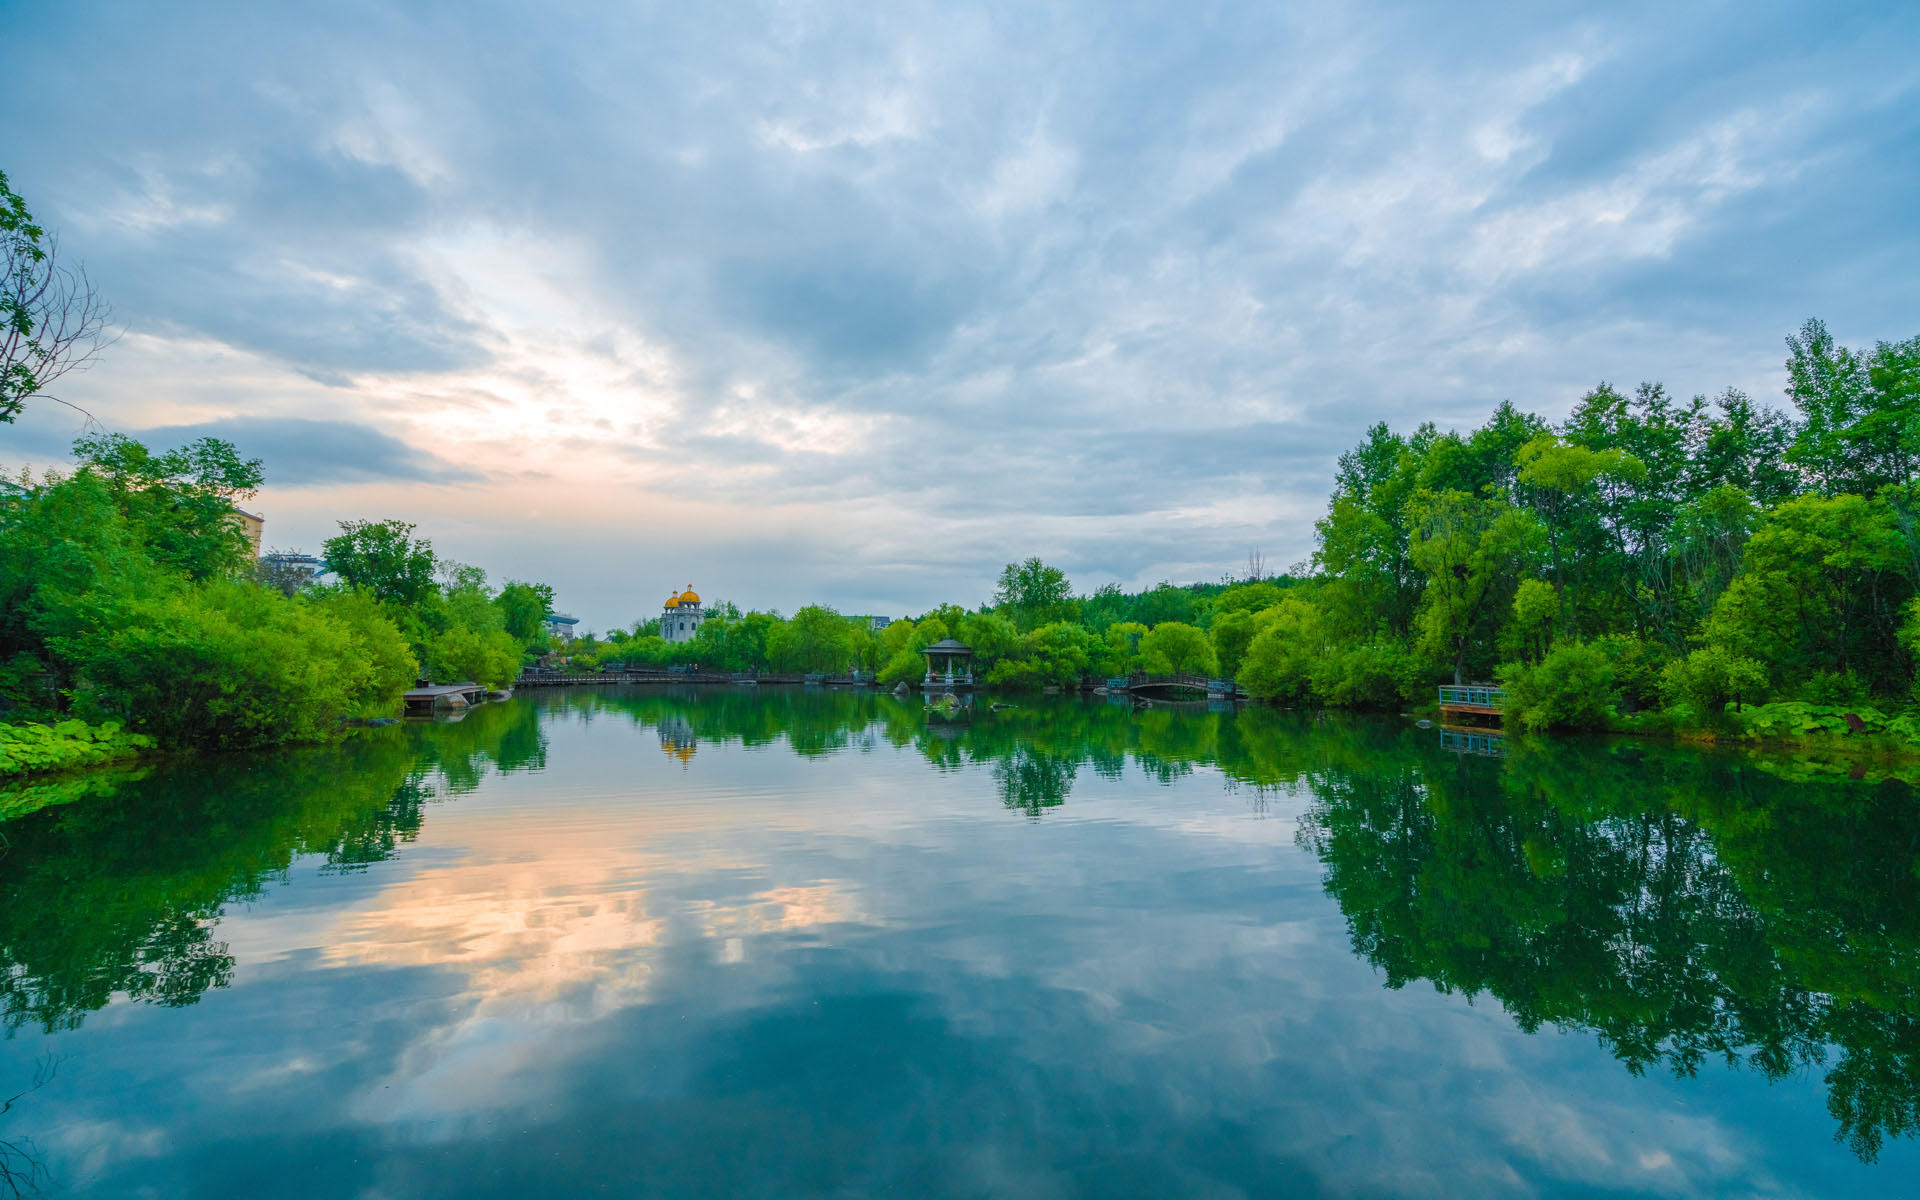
{"x":803,"y":303}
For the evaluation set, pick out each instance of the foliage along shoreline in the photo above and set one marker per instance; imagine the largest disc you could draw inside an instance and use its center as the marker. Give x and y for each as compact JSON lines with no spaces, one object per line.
{"x":1649,"y":565}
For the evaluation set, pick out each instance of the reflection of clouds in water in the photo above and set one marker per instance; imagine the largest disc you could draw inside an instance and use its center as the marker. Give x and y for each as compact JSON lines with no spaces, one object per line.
{"x":862,"y":975}
{"x":562,"y":913}
{"x":779,"y":910}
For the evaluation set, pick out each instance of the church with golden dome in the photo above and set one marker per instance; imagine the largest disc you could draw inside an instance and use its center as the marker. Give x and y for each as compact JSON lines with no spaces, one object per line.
{"x":681,"y":617}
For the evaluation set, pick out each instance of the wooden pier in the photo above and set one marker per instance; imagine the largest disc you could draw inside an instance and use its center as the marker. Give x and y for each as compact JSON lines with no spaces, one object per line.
{"x":1475,"y":700}
{"x":424,"y":700}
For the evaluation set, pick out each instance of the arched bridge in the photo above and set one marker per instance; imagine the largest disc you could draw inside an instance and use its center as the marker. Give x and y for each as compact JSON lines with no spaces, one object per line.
{"x":1140,"y":684}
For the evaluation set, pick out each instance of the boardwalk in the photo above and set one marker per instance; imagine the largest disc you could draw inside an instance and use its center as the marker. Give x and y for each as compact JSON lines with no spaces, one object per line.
{"x":1471,"y":700}
{"x":455,"y":695}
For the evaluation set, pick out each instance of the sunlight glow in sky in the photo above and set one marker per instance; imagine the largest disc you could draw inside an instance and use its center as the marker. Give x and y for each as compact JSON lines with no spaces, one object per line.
{"x":812,"y":303}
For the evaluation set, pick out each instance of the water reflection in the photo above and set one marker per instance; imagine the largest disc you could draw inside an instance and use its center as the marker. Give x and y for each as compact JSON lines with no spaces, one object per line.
{"x":1684,"y":909}
{"x":113,"y":885}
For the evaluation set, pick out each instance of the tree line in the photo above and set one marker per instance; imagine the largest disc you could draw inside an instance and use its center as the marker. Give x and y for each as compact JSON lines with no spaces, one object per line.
{"x":1648,"y":562}
{"x":129,"y":595}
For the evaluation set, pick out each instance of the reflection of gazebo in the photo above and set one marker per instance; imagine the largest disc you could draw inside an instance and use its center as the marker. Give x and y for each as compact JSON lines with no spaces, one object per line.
{"x":949,"y":665}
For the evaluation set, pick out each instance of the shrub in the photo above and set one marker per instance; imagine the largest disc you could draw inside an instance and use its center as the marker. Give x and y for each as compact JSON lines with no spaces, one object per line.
{"x":1279,"y":660}
{"x":491,"y":657}
{"x":1571,"y":688}
{"x":1058,"y":653}
{"x":228,"y":665}
{"x":1701,"y":685}
{"x":1637,"y":664}
{"x":31,"y":747}
{"x":1380,"y":675}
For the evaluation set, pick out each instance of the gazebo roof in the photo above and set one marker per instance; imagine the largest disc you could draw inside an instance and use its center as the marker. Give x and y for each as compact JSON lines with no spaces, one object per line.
{"x":948,"y":646}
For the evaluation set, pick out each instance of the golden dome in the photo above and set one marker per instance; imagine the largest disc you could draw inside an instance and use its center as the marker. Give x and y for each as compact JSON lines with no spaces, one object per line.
{"x":673,"y":602}
{"x":689,"y":597}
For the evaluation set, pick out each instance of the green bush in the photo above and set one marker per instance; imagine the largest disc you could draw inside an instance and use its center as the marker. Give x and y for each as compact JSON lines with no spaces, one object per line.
{"x":1700,"y":686}
{"x":1794,"y":719}
{"x":1637,"y":667}
{"x":1288,"y":642}
{"x":230,"y":665}
{"x":1057,"y":654}
{"x":463,"y":654}
{"x":31,"y":747}
{"x":1571,"y":688}
{"x":1380,"y":675}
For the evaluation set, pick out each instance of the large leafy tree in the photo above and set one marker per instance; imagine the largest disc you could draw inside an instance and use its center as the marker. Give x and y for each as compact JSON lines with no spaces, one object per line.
{"x":384,"y":557}
{"x":181,"y":503}
{"x":525,"y":606}
{"x":1473,"y":552}
{"x":1033,"y":593}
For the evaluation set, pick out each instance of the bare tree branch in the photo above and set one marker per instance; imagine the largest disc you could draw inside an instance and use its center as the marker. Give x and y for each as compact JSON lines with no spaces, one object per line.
{"x":53,"y":319}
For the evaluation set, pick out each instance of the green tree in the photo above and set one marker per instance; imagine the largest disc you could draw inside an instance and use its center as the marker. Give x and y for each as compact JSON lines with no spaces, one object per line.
{"x":817,"y":640}
{"x":1173,"y":648}
{"x":1166,"y":601}
{"x":1473,"y":552}
{"x":384,"y":557}
{"x":1564,"y":484}
{"x":1033,"y":593}
{"x":1231,"y":634}
{"x":181,"y":503}
{"x":525,"y":607}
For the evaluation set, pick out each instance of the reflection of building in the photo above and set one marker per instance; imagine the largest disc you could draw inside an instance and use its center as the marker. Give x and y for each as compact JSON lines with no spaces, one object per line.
{"x":680,"y":618}
{"x":561,"y":625}
{"x":677,"y":739}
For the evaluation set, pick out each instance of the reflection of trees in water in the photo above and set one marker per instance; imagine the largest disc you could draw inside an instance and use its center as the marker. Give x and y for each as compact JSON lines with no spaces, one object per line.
{"x":22,"y":1172}
{"x":121,"y":892}
{"x":1686,"y":908}
{"x":1683,"y":907}
{"x":1033,"y":781}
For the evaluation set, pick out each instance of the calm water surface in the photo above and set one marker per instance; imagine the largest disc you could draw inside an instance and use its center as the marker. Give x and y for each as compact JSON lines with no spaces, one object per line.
{"x":727,"y":943}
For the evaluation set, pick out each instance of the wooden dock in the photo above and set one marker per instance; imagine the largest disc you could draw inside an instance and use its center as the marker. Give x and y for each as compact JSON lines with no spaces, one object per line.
{"x":423,"y":701}
{"x":1471,"y":700}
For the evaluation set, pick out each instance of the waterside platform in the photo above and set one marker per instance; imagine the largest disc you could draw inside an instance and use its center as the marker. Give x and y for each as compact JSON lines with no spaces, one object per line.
{"x":423,"y":701}
{"x":1471,"y":700}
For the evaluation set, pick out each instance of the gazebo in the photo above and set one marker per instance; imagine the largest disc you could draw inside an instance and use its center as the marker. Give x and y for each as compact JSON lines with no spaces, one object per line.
{"x":949,"y":665}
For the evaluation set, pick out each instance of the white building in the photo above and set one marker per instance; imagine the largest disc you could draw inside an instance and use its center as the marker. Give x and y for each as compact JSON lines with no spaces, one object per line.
{"x":681,"y":617}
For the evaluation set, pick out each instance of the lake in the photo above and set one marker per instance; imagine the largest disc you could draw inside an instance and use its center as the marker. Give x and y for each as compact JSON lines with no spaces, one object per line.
{"x":784,"y":942}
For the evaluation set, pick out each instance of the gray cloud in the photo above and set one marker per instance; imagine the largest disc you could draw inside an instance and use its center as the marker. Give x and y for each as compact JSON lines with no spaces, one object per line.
{"x":296,"y":451}
{"x":1192,"y":253}
{"x":305,"y":453}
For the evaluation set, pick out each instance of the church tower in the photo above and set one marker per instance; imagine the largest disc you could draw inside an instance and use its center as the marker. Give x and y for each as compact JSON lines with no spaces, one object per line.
{"x":680,"y":618}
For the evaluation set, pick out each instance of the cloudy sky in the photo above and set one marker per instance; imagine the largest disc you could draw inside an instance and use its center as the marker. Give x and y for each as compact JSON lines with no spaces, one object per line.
{"x":804,"y":302}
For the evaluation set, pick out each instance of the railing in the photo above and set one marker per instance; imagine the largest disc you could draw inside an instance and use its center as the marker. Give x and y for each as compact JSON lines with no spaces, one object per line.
{"x":1199,"y":683}
{"x":1473,"y":741}
{"x":1491,"y":698}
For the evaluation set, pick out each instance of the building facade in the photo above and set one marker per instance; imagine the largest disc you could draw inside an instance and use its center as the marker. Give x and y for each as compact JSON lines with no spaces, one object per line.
{"x":680,"y":618}
{"x":253,"y":525}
